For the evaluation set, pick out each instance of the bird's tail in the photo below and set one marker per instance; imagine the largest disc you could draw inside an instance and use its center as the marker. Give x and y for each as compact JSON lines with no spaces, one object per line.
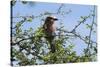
{"x":52,"y":46}
{"x":51,"y":40}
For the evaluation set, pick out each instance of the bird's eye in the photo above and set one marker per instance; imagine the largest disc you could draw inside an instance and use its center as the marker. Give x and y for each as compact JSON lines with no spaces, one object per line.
{"x":51,"y":20}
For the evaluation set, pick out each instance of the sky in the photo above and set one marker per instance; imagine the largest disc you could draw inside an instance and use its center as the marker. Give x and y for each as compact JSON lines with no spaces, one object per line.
{"x":69,"y":20}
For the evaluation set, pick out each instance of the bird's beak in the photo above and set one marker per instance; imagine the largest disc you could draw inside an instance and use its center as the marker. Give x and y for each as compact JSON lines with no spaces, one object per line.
{"x":55,"y":19}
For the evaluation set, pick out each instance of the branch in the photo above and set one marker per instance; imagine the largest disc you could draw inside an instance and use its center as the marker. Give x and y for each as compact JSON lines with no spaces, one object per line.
{"x":89,"y":43}
{"x":82,"y":38}
{"x":84,"y":19}
{"x":74,"y":35}
{"x":21,"y":40}
{"x":59,"y":9}
{"x":22,"y":21}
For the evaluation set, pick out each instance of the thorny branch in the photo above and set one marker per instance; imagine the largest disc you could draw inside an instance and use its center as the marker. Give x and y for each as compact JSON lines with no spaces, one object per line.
{"x":89,"y":43}
{"x":74,"y":35}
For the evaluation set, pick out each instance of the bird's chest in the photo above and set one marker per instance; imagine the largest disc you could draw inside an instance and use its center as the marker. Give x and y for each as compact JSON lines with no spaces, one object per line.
{"x":51,"y":28}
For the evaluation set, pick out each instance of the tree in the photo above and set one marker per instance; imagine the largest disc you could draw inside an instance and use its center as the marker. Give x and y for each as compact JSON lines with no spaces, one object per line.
{"x":29,"y":47}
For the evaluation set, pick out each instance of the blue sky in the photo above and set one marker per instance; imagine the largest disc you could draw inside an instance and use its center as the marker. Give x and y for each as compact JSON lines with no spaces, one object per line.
{"x":69,"y":20}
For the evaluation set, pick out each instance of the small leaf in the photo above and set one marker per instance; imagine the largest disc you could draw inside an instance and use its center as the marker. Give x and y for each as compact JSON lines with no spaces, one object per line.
{"x":82,"y":17}
{"x":29,"y":19}
{"x":30,"y":29}
{"x":18,"y":24}
{"x":88,"y":26}
{"x":47,"y":13}
{"x":94,"y":31}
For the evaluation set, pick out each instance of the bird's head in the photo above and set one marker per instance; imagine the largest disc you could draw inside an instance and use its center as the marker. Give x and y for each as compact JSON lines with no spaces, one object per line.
{"x":51,"y":18}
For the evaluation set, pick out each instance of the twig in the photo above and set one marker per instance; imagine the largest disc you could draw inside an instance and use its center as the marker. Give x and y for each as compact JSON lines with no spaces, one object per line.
{"x":84,"y":19}
{"x":22,"y":21}
{"x":59,"y":9}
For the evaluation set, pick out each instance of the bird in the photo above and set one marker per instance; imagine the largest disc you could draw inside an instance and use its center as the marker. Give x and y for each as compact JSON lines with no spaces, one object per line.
{"x":49,"y":30}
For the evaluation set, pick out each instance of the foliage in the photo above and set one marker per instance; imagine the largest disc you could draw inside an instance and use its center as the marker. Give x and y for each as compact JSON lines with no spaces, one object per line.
{"x":33,"y":49}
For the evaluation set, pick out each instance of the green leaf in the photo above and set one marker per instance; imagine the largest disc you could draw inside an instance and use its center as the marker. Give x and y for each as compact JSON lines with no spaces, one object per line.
{"x":47,"y":13}
{"x":18,"y":24}
{"x":88,"y":26}
{"x":30,"y":29}
{"x":29,"y":19}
